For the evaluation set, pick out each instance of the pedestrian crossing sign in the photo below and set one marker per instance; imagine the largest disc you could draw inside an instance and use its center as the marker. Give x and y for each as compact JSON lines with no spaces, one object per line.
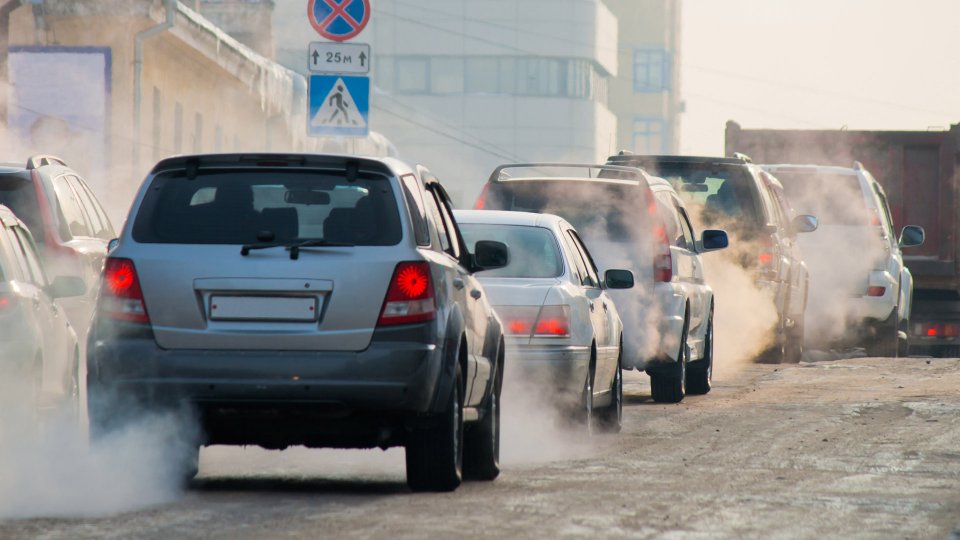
{"x":339,"y":106}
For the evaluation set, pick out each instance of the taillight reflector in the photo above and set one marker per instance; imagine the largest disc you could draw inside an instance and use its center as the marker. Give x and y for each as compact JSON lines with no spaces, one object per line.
{"x":876,"y":291}
{"x":410,"y":296}
{"x":120,"y":295}
{"x":662,"y":258}
{"x":938,"y":329}
{"x":7,"y":302}
{"x":548,"y":321}
{"x":482,"y":198}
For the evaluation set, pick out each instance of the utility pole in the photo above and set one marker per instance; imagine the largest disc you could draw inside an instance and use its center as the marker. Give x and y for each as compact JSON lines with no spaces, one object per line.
{"x":6,"y":8}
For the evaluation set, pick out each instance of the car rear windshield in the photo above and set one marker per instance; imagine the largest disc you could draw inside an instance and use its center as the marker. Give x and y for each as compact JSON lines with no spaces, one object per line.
{"x":268,"y":205}
{"x":533,"y":250}
{"x":716,"y":194}
{"x":596,"y":209}
{"x":20,"y":196}
{"x":836,"y":199}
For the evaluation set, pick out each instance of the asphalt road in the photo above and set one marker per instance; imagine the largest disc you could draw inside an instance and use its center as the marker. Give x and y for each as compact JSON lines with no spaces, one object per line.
{"x":854,"y":448}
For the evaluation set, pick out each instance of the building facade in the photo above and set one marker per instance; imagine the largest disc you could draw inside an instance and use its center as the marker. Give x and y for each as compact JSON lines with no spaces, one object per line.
{"x":645,"y":97}
{"x":462,"y":86}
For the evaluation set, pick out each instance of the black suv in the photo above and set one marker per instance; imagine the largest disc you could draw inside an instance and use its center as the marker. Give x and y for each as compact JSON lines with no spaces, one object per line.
{"x":738,"y":196}
{"x":71,"y":228}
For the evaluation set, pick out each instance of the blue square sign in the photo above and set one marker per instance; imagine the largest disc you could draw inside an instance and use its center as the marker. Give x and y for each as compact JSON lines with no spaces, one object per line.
{"x":339,"y":106}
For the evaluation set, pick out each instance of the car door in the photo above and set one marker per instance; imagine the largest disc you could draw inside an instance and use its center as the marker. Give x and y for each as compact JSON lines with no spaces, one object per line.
{"x":796,"y":276}
{"x":52,"y":321}
{"x":692,"y":272}
{"x":600,"y":313}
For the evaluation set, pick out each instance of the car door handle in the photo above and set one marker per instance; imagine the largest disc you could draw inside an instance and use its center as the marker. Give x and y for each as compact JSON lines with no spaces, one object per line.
{"x":592,"y":307}
{"x":476,"y":294}
{"x":458,"y":282}
{"x":605,"y":307}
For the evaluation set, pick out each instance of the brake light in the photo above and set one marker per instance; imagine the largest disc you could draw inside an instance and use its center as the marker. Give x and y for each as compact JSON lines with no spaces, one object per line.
{"x":939,"y":330}
{"x":662,"y":259}
{"x":767,"y":257}
{"x":410,"y":296}
{"x":526,"y":321}
{"x":482,"y":198}
{"x":120,"y":295}
{"x":7,"y":302}
{"x":876,"y":291}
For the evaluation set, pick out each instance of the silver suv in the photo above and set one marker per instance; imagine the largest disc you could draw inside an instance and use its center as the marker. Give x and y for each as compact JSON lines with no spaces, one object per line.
{"x":326,"y":301}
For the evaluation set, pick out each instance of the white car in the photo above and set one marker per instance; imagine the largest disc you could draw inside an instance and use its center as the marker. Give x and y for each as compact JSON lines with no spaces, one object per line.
{"x":634,"y":221}
{"x":559,"y":323}
{"x":38,"y":346}
{"x":860,"y":291}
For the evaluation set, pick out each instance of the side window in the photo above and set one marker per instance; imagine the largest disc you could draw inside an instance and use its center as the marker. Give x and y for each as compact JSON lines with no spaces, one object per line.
{"x":19,"y":268}
{"x":689,"y":239}
{"x":444,"y":203}
{"x":772,"y":213}
{"x":106,"y":232}
{"x":591,"y":279}
{"x":70,"y":206}
{"x":29,"y":251}
{"x":414,"y":197}
{"x":86,"y":203}
{"x":885,"y":208}
{"x":434,"y":208}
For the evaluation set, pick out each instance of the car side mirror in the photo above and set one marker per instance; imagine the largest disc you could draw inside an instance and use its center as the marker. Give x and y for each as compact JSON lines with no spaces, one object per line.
{"x":490,"y":254}
{"x":912,"y":236}
{"x":67,"y":286}
{"x":112,"y":244}
{"x":712,"y":240}
{"x":618,"y":279}
{"x":804,"y":223}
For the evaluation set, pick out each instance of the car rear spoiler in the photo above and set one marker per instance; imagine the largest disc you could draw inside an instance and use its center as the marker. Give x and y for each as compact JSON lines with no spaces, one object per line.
{"x":615,"y":172}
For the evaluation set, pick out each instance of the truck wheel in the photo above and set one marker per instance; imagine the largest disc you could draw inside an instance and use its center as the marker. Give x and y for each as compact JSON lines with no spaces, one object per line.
{"x":700,"y":373}
{"x":481,"y":449}
{"x":435,"y":454}
{"x":611,"y":417}
{"x":670,"y":388}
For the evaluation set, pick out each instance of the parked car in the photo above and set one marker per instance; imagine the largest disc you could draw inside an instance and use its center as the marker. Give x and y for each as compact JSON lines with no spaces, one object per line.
{"x":38,"y":346}
{"x":862,"y":289}
{"x":562,"y":328}
{"x":317,"y":300}
{"x":740,"y":197}
{"x":629,"y":220}
{"x":70,"y":226}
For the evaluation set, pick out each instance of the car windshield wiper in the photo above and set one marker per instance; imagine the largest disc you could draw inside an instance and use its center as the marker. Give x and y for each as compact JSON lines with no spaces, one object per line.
{"x":294,"y":247}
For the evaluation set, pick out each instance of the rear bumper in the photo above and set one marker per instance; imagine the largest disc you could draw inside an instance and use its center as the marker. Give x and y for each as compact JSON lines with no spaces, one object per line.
{"x":561,"y":369}
{"x":255,"y":397}
{"x":651,"y":331}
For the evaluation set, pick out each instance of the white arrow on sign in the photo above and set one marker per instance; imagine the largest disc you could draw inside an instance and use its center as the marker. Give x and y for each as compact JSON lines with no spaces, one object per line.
{"x":324,"y":57}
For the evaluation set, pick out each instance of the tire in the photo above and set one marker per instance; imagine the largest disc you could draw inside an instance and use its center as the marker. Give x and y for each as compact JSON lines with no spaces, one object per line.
{"x":887,"y":342}
{"x":586,"y":408}
{"x":188,"y":465}
{"x":434,"y":455}
{"x":700,"y":373}
{"x":793,"y":345}
{"x":611,"y":417}
{"x":670,"y":388}
{"x":481,"y":448}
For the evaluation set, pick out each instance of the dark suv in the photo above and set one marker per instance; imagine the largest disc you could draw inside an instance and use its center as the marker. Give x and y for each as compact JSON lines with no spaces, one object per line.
{"x":69,"y":224}
{"x":735,"y":195}
{"x":317,"y":300}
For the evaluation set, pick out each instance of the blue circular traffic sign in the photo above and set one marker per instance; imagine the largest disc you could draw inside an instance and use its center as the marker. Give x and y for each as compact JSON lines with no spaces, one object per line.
{"x":338,"y":20}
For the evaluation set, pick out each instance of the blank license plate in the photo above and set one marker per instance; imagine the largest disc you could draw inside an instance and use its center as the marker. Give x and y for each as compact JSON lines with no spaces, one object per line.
{"x":262,"y":308}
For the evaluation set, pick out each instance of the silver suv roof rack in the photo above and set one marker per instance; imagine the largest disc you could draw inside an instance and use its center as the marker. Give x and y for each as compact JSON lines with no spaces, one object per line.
{"x":627,"y":172}
{"x":39,"y":160}
{"x":742,"y":157}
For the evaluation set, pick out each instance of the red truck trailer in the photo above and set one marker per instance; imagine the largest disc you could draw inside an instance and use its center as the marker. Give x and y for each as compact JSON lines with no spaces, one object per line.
{"x":918,"y":171}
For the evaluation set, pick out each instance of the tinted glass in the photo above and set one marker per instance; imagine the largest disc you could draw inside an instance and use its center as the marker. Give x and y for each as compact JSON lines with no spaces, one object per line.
{"x":612,"y":211}
{"x":21,"y":196}
{"x":835,"y":199}
{"x":715,"y":195}
{"x":70,"y":207}
{"x":237,"y":207}
{"x":533,"y":250}
{"x":29,"y":251}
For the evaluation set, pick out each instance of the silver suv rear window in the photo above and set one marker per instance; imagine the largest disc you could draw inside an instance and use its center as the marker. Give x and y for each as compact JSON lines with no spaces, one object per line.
{"x":276,"y":205}
{"x":836,"y":199}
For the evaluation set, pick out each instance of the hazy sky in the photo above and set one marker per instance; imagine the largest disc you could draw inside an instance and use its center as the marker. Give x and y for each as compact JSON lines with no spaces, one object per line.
{"x":864,"y":64}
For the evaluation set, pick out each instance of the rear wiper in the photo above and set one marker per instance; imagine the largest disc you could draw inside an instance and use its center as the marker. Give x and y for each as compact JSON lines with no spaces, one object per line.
{"x":294,"y":247}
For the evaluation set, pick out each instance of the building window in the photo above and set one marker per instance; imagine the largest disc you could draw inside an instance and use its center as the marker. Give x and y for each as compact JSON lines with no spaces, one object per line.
{"x":651,"y":70}
{"x":446,"y":75}
{"x":482,"y":75}
{"x":413,"y":75}
{"x":649,"y":136}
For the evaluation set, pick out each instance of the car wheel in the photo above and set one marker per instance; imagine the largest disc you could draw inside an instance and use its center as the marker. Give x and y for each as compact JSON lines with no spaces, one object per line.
{"x":700,"y":373}
{"x":434,"y":455}
{"x":586,"y":410}
{"x":793,"y":345}
{"x":887,"y":342}
{"x":611,"y":417}
{"x":481,"y":449}
{"x":671,"y":387}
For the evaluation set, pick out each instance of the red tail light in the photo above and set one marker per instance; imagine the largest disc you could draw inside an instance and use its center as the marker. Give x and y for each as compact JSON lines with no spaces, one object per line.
{"x":939,"y":329}
{"x":410,"y":296}
{"x":547,"y":321}
{"x":8,"y":302}
{"x":768,"y":257}
{"x":876,"y":291}
{"x":662,"y":259}
{"x":482,"y":198}
{"x":120,"y":294}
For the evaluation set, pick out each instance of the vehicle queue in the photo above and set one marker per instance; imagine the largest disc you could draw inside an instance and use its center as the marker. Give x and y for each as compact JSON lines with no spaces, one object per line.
{"x":340,"y":301}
